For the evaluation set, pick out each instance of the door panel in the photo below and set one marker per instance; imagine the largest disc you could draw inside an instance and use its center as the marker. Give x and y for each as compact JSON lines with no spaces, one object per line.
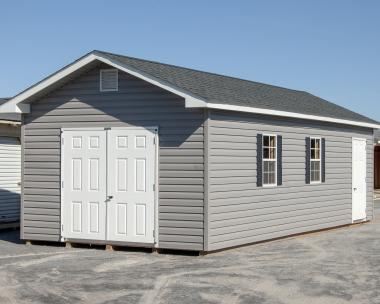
{"x":359,"y":185}
{"x":131,"y":164}
{"x":84,"y":184}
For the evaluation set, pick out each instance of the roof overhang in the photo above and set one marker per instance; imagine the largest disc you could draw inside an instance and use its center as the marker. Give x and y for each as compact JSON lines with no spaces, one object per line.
{"x":19,"y":103}
{"x":291,"y":115}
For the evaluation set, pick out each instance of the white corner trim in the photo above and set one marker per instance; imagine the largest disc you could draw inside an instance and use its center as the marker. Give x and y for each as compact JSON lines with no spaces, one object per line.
{"x":290,"y":114}
{"x":14,"y":105}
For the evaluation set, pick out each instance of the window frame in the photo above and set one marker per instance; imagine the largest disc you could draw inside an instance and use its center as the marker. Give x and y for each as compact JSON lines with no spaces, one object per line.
{"x":101,"y":80}
{"x":269,"y":159}
{"x":320,"y":160}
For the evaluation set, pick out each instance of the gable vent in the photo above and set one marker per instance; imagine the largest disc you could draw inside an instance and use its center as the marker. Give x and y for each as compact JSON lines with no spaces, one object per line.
{"x":109,"y":80}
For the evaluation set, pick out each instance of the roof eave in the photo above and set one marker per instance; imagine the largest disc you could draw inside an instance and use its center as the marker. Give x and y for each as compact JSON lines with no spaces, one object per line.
{"x":291,"y":115}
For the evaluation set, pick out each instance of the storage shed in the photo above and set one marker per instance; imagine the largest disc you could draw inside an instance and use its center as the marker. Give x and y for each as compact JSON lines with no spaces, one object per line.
{"x":119,"y":150}
{"x":10,"y":169}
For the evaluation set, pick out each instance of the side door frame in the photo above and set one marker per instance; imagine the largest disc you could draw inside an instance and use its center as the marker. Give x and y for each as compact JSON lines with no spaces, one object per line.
{"x":352,"y":177}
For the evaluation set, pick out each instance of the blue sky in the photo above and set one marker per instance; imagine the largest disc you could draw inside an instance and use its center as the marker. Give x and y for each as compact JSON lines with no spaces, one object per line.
{"x":329,"y":48}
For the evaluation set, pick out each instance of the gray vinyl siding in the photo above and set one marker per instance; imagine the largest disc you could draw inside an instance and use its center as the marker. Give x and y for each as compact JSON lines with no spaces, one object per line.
{"x":137,"y":103}
{"x":241,"y":213}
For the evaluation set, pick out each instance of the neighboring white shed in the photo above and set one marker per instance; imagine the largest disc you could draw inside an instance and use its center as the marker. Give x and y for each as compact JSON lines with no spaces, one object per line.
{"x":10,"y":169}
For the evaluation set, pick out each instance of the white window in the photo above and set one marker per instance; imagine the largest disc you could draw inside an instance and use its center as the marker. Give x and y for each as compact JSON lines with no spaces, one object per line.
{"x":315,"y":160}
{"x":109,"y":81}
{"x":269,"y":160}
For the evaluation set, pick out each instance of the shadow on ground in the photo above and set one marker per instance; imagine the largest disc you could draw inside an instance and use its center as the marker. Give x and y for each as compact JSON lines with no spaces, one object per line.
{"x":336,"y":267}
{"x":11,"y":235}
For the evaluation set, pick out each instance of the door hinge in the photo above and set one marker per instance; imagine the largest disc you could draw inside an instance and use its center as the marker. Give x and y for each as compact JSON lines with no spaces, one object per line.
{"x":62,"y":227}
{"x":154,"y":187}
{"x":62,"y":184}
{"x":154,"y":140}
{"x":153,"y":233}
{"x":62,"y":141}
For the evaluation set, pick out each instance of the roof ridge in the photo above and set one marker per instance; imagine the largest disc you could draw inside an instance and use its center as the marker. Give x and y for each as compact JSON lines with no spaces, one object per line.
{"x":200,"y":71}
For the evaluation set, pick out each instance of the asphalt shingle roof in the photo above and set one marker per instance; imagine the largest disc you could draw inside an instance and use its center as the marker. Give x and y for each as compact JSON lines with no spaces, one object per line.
{"x":221,"y":89}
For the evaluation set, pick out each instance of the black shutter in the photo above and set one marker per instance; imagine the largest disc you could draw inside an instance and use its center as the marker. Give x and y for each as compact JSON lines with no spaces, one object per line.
{"x":279,"y":160}
{"x":323,"y":159}
{"x":259,"y":153}
{"x":307,"y":160}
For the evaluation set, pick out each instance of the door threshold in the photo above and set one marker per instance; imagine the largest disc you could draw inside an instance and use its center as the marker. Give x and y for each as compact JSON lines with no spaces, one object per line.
{"x":112,"y":243}
{"x":359,"y":221}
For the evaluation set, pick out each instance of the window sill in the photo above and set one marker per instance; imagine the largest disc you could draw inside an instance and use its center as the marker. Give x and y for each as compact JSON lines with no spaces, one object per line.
{"x":315,"y":183}
{"x":270,"y":186}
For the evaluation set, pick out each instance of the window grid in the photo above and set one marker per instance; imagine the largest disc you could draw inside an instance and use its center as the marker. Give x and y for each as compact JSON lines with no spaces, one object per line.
{"x":315,"y":160}
{"x":269,"y":160}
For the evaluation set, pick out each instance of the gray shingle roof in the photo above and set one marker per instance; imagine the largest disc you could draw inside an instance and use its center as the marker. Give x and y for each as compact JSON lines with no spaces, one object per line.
{"x":221,"y":89}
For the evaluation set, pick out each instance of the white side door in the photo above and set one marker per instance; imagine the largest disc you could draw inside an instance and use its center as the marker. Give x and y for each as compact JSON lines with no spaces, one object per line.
{"x":84,"y":184}
{"x":131,"y":177}
{"x":359,"y":185}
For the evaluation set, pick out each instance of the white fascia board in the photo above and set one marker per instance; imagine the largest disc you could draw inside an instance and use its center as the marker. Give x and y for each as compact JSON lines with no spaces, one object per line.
{"x":13,"y":108}
{"x":14,"y":105}
{"x":289,"y":114}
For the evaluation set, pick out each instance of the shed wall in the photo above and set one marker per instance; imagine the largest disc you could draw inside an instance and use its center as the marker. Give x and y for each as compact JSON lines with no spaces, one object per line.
{"x":137,"y":103}
{"x":241,"y":213}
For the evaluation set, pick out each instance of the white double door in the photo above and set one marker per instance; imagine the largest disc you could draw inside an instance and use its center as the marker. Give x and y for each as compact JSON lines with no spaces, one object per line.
{"x":108,"y":184}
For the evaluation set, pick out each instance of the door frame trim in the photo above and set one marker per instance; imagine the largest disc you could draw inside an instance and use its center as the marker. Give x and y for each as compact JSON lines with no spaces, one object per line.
{"x":153,"y":129}
{"x":352,"y":177}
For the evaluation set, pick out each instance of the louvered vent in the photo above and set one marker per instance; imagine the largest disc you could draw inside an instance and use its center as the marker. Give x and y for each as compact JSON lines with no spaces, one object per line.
{"x":108,"y":80}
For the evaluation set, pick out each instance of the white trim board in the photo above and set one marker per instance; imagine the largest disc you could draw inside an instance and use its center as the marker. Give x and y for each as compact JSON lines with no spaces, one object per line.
{"x":15,"y":104}
{"x":289,"y":114}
